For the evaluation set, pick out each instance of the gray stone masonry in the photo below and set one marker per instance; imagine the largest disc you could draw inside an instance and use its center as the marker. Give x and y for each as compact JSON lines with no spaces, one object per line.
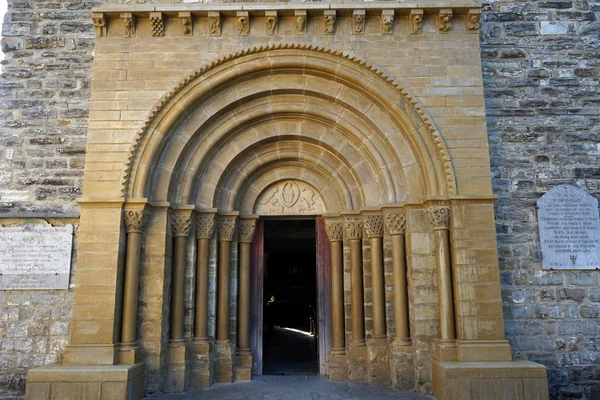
{"x":541,"y":66}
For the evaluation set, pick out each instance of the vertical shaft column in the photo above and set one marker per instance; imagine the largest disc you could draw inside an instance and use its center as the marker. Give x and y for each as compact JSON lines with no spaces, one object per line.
{"x":135,"y":219}
{"x":374,"y":229}
{"x":335,"y":233}
{"x":243,"y":370}
{"x":396,"y":226}
{"x":354,"y":232}
{"x":226,"y":230}
{"x":181,"y":223}
{"x":439,"y":216}
{"x":205,"y":229}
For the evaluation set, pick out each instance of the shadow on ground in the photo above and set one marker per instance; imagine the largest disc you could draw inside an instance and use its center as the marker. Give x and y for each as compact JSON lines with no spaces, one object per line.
{"x":295,"y":387}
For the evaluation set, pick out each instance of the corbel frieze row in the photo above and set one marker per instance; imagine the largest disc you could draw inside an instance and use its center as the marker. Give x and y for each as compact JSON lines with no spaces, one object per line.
{"x":243,"y":21}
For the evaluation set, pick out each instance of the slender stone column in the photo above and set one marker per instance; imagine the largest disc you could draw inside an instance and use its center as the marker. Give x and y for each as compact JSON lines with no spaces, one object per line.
{"x":135,"y":219}
{"x":224,"y":362}
{"x":374,"y":229}
{"x":337,"y":358}
{"x":178,"y":379}
{"x":354,"y":232}
{"x":439,"y":217}
{"x":243,"y":371}
{"x":396,"y":226}
{"x":202,"y":371}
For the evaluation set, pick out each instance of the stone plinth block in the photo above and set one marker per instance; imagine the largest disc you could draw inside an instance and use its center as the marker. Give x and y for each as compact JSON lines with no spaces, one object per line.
{"x":177,"y":380}
{"x":358,"y":367}
{"x":223,"y":362}
{"x":338,"y":366}
{"x":58,"y":381}
{"x":129,"y":355}
{"x":402,"y":366}
{"x":243,"y":366}
{"x":509,"y":380}
{"x":202,"y":374}
{"x":379,"y":362}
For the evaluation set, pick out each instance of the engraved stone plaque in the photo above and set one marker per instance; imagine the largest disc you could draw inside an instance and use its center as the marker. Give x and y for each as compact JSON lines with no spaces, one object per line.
{"x":569,"y":228}
{"x":35,"y":257}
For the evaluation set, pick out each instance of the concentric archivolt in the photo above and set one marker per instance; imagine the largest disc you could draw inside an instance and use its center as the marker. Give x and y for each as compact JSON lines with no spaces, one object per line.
{"x":167,"y":106}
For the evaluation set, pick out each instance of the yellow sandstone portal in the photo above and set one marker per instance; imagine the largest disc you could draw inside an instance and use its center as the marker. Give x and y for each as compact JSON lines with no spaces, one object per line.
{"x":206,"y":119}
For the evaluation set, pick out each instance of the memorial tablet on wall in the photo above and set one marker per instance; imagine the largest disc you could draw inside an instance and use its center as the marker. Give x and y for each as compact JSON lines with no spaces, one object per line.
{"x":35,"y":257}
{"x":569,"y":228}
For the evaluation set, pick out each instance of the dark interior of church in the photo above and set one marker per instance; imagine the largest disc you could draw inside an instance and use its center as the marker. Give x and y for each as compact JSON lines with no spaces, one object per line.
{"x":290,"y":308}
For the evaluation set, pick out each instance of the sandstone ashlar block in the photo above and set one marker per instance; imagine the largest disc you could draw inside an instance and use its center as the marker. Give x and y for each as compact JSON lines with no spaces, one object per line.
{"x":358,"y":365}
{"x":202,"y":365}
{"x":338,"y":366}
{"x":178,"y":370}
{"x":223,"y":362}
{"x":379,"y":362}
{"x":402,"y":366}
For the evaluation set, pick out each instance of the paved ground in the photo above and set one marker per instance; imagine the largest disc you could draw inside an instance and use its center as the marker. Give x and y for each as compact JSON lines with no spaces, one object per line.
{"x":295,"y":387}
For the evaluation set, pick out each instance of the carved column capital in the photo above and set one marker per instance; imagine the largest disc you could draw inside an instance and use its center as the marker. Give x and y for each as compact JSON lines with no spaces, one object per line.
{"x":335,"y":231}
{"x":135,"y":219}
{"x":226,"y":228}
{"x":354,"y":227}
{"x":181,"y":223}
{"x":396,"y":222}
{"x":439,"y":216}
{"x":373,"y":225}
{"x":247,"y":229}
{"x":205,"y":226}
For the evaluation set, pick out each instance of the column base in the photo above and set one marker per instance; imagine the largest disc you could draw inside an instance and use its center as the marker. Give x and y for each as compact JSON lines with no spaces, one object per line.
{"x":507,"y":380}
{"x":129,"y":354}
{"x":358,"y":368}
{"x":445,"y":350}
{"x":202,"y":373}
{"x":379,"y":362}
{"x":223,"y":361}
{"x":57,"y":381}
{"x":402,"y":364}
{"x":177,"y":377}
{"x":243,"y":366}
{"x":85,"y":354}
{"x":483,"y":350}
{"x":338,"y":365}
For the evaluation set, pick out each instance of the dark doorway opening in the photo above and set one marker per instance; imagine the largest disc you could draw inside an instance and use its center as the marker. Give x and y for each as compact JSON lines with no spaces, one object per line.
{"x":290,"y":298}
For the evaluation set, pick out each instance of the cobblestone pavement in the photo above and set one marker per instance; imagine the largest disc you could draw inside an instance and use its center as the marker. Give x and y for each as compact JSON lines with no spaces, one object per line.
{"x":293,"y":388}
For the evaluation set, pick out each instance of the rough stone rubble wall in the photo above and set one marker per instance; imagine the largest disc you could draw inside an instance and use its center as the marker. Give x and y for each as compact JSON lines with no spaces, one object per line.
{"x":541,"y":64}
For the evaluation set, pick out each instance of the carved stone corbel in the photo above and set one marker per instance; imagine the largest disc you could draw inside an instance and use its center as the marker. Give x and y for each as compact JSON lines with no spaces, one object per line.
{"x":473,"y":20}
{"x":329,"y":18}
{"x":243,"y":23}
{"x":157,"y":23}
{"x":301,"y":22}
{"x":271,"y":22}
{"x":129,"y":24}
{"x":387,"y":22}
{"x":445,"y":20}
{"x":99,"y":21}
{"x":214,"y":23}
{"x":358,"y":22}
{"x":186,"y":23}
{"x":416,"y":21}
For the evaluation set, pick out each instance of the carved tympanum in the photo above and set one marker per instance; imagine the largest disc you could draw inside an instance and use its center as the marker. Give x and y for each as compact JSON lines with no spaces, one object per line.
{"x":439,"y":217}
{"x":373,"y":225}
{"x":205,"y":226}
{"x":396,"y":222}
{"x":226,"y":229}
{"x":416,"y":21}
{"x":335,"y":231}
{"x":181,"y":223}
{"x":289,"y":197}
{"x":387,"y":22}
{"x":135,"y":219}
{"x":354,"y":227}
{"x":247,"y":229}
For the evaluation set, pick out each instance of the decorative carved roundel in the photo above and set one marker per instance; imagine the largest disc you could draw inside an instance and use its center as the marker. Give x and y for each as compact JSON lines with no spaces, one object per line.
{"x":290,"y":197}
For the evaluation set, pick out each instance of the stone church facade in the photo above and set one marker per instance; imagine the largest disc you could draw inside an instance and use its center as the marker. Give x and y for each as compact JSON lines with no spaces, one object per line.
{"x":168,"y":132}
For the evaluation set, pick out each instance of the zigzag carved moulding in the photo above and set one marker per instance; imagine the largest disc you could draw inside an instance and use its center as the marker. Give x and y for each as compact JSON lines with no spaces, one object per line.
{"x":404,"y":92}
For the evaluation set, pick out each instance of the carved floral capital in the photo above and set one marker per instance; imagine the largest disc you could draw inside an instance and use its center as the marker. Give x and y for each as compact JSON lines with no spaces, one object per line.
{"x":205,"y":226}
{"x":373,"y":225}
{"x":439,"y":217}
{"x":247,"y":230}
{"x":135,"y":219}
{"x":226,"y":228}
{"x":181,"y":223}
{"x":354,"y":228}
{"x":396,"y":222}
{"x":335,"y":231}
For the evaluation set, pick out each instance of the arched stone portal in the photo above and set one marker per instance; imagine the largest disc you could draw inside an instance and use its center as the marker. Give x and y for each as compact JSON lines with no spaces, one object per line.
{"x":286,"y":130}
